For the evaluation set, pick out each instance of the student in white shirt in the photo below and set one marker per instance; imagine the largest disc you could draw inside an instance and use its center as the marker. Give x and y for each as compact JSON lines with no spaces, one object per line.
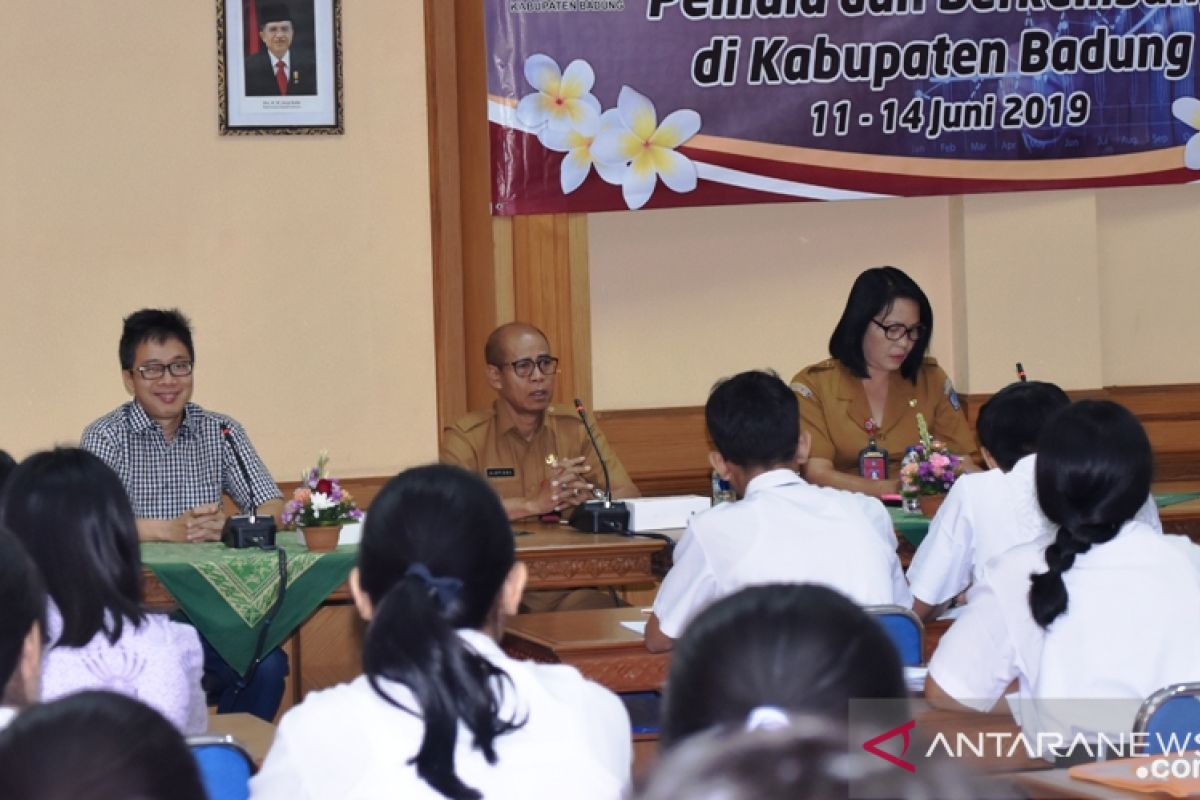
{"x":1107,"y":610}
{"x":23,"y":600}
{"x":988,"y":513}
{"x":441,"y":710}
{"x":768,"y":652}
{"x":783,"y":529}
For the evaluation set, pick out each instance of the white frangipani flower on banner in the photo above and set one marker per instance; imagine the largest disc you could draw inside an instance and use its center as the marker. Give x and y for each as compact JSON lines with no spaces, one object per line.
{"x":563,"y":100}
{"x":577,"y":144}
{"x":648,"y":148}
{"x":1187,"y":111}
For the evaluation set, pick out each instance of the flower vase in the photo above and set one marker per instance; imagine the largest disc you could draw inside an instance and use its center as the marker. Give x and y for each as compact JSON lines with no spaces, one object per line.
{"x":321,"y":538}
{"x":930,"y":503}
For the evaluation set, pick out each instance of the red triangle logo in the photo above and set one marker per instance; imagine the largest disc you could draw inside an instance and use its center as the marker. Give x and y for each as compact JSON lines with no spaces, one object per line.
{"x":899,"y":730}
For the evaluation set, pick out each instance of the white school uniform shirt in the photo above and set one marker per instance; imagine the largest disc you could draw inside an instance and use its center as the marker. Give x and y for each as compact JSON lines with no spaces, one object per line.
{"x":784,"y":531}
{"x":348,"y":743}
{"x":1130,"y":628}
{"x":985,"y":514}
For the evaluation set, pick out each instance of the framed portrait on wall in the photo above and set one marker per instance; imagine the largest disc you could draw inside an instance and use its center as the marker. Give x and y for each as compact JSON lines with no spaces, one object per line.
{"x":279,"y":67}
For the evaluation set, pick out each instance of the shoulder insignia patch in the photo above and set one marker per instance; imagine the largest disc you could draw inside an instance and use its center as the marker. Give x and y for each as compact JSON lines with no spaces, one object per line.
{"x":951,"y":395}
{"x":473,"y":420}
{"x":802,"y":390}
{"x":821,"y":366}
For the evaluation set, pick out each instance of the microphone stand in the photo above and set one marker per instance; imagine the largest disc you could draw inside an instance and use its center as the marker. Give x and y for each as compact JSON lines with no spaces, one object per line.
{"x":246,"y":530}
{"x":599,"y":516}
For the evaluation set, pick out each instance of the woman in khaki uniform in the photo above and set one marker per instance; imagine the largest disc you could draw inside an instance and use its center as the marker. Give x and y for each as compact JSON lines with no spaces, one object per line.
{"x":872,"y":389}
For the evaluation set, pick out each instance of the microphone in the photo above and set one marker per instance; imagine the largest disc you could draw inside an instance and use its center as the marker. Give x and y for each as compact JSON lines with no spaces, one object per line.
{"x":592,"y":436}
{"x":599,"y":516}
{"x":246,"y":530}
{"x":1021,"y":373}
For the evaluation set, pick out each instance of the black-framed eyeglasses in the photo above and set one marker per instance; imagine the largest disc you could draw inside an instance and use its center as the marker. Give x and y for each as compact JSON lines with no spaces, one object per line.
{"x":152,"y":372}
{"x":898,"y":330}
{"x":523,"y":367}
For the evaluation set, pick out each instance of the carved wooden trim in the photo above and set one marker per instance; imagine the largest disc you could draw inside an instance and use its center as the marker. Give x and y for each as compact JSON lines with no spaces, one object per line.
{"x":556,"y":572}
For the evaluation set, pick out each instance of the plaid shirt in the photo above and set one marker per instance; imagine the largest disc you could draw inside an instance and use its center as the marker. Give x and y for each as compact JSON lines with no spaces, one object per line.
{"x":164,"y":479}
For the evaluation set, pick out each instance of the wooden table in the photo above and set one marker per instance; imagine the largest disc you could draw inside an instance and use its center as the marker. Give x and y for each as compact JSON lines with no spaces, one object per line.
{"x":325,"y":649}
{"x":557,"y":557}
{"x":594,"y":642}
{"x":254,"y":734}
{"x":1056,"y":783}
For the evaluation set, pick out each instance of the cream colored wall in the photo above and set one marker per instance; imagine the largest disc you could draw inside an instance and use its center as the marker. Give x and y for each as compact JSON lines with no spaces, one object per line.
{"x":1149,"y":243}
{"x":1086,"y":288}
{"x":686,"y":296}
{"x":304,"y":262}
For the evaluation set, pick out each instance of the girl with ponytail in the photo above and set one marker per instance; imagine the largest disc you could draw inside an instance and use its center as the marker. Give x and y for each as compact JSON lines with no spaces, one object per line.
{"x":1105,"y":610}
{"x":441,"y":710}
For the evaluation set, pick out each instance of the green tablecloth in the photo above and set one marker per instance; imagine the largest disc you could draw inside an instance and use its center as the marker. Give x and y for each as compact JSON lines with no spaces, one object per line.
{"x":914,"y":526}
{"x":1174,"y":498}
{"x":226,"y":592}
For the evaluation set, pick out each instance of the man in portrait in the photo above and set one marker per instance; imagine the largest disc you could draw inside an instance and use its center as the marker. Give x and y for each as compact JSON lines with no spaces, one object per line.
{"x":279,"y":69}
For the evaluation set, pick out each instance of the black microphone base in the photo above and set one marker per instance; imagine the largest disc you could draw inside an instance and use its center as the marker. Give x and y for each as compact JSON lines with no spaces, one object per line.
{"x":240,"y":532}
{"x":596,"y":517}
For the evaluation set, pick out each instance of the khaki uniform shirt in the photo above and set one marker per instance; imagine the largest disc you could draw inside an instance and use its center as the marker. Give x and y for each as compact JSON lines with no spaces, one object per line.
{"x":487,"y":443}
{"x":834,"y":409}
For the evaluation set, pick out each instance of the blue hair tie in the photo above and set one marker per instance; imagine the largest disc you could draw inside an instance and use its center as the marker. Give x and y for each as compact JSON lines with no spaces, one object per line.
{"x":444,"y":590}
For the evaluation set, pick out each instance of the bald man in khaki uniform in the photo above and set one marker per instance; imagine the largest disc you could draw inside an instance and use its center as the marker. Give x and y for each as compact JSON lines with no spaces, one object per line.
{"x":536,"y":456}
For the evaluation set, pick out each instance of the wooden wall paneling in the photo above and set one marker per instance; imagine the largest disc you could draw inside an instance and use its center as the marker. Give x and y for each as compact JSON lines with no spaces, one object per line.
{"x":445,"y":209}
{"x":488,"y":271}
{"x":581,"y":307}
{"x":665,"y":450}
{"x":542,"y":290}
{"x":479,"y":282}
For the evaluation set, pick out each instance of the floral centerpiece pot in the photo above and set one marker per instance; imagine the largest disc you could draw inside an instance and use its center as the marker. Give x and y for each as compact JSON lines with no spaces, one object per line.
{"x":320,"y":507}
{"x":927,"y":471}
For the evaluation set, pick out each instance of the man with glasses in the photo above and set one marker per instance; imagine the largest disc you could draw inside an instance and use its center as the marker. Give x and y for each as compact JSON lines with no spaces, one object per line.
{"x":176,"y":460}
{"x":173,"y":456}
{"x":535,"y":455}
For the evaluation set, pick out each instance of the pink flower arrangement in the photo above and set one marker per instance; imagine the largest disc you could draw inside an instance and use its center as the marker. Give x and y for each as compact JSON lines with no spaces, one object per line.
{"x":320,"y":500}
{"x":927,"y":467}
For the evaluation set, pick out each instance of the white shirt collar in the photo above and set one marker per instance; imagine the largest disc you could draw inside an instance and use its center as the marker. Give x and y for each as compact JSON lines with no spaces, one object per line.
{"x":287,"y":60}
{"x":772,"y":479}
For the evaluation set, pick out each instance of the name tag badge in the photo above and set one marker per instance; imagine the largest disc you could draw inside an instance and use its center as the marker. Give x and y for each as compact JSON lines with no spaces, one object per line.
{"x":502,"y":472}
{"x":872,"y":462}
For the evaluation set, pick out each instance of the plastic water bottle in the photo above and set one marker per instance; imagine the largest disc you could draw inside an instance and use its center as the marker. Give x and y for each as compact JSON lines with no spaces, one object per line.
{"x":722,"y":492}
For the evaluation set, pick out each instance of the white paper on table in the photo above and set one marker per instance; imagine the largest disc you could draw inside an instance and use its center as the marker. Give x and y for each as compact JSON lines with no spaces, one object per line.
{"x":637,"y":626}
{"x":952,"y":613}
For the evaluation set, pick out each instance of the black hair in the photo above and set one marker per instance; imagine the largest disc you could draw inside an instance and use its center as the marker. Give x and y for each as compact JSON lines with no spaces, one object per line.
{"x":754,"y":420}
{"x":803,"y":648}
{"x":7,"y":465}
{"x":435,"y":553}
{"x":98,"y":745}
{"x":493,"y":348}
{"x":23,"y":598}
{"x":875,"y":291}
{"x":1094,"y":468}
{"x":73,"y":516}
{"x":156,"y":325}
{"x":1011,"y":421}
{"x":807,"y":759}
